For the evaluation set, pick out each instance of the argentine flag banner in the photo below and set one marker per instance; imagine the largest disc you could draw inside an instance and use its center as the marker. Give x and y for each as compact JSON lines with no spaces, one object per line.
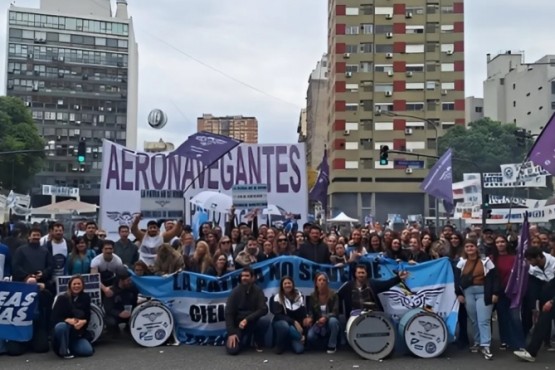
{"x":17,"y":309}
{"x":430,"y":285}
{"x":197,"y":302}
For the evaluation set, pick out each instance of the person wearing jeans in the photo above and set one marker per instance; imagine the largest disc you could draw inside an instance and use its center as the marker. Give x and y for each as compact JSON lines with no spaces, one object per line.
{"x":478,"y":289}
{"x":322,"y":318}
{"x":70,"y":316}
{"x":289,"y":310}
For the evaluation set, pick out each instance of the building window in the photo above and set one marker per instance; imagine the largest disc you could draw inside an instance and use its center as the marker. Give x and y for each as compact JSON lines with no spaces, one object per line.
{"x":351,"y":68}
{"x":432,"y":8}
{"x":447,"y":28}
{"x":414,"y":106}
{"x":447,"y":9}
{"x":384,"y":48}
{"x":514,"y":103}
{"x":411,"y":49}
{"x":432,"y":27}
{"x":447,"y":67}
{"x":479,"y":109}
{"x":553,"y":87}
{"x":366,"y":66}
{"x":447,"y":106}
{"x":351,"y":107}
{"x":366,"y":47}
{"x":351,"y":30}
{"x":553,"y":105}
{"x":367,"y":28}
{"x":415,"y":68}
{"x":384,"y":68}
{"x":352,"y":49}
{"x":414,"y":29}
{"x":367,"y":9}
{"x":383,"y":29}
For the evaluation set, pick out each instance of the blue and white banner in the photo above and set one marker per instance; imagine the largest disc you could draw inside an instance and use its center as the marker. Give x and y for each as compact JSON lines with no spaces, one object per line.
{"x":17,"y":309}
{"x":198,"y":301}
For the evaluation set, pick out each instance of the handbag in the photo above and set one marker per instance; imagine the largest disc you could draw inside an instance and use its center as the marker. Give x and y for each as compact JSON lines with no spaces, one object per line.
{"x":467,"y":280}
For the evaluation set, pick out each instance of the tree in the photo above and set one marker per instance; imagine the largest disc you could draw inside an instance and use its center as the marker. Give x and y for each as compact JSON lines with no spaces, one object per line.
{"x":18,"y":132}
{"x":484,"y":146}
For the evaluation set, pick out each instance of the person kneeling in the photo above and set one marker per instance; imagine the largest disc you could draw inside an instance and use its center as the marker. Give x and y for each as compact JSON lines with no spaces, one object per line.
{"x":244,"y":310}
{"x":289,"y":310}
{"x":70,"y":316}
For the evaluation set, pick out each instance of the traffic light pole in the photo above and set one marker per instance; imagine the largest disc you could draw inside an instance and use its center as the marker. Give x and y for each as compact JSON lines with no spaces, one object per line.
{"x":457,"y":159}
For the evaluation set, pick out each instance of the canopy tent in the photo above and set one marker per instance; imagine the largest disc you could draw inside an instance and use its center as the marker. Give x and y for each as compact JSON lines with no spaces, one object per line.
{"x":342,"y":217}
{"x":65,"y":207}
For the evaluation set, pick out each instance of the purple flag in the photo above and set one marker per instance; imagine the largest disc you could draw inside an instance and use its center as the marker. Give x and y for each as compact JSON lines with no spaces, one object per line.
{"x":542,"y":152}
{"x":206,"y":147}
{"x":319,"y":192}
{"x":439,"y":182}
{"x":518,"y":280}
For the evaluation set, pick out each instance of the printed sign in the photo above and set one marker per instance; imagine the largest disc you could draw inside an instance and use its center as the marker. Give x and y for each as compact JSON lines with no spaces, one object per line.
{"x":515,"y":172}
{"x":162,"y":204}
{"x":469,"y":191}
{"x":17,"y":309}
{"x":92,"y":286}
{"x":402,"y":163}
{"x":197,"y":302}
{"x":126,"y":175}
{"x":495,"y":180}
{"x":250,"y":196}
{"x":62,"y":191}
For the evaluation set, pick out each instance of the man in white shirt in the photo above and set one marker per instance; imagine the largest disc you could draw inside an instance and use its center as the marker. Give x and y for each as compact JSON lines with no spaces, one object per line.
{"x":107,"y":264}
{"x":59,"y":248}
{"x":152,"y":239}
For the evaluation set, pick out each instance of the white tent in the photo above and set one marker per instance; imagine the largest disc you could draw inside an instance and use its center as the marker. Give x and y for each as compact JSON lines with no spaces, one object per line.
{"x":342,"y":217}
{"x":65,"y":207}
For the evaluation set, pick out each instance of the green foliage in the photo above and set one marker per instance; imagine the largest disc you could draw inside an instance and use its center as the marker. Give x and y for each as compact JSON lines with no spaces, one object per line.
{"x":18,"y":132}
{"x":484,"y":146}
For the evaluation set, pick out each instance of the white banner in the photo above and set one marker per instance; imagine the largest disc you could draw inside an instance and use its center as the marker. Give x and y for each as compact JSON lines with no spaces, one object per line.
{"x":513,"y":172}
{"x":62,"y":191}
{"x":125,"y":174}
{"x":250,"y":196}
{"x":495,"y":180}
{"x":469,"y":191}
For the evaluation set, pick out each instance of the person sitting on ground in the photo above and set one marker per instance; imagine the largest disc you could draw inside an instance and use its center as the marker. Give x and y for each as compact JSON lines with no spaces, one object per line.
{"x":244,"y":311}
{"x":70,"y":316}
{"x":289,"y":311}
{"x":121,"y":302}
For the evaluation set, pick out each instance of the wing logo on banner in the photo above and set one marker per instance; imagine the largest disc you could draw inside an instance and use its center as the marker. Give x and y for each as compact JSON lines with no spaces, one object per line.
{"x":428,"y":326}
{"x":416,"y":300}
{"x":152,"y":316}
{"x":162,"y":203}
{"x":123,"y":218}
{"x":207,"y":140}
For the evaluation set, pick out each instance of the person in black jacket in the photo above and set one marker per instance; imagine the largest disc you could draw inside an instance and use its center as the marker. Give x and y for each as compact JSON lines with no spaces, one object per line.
{"x":120,"y":304}
{"x":314,"y":249}
{"x":363,"y":293}
{"x":245,"y":307}
{"x":289,"y":311}
{"x":70,"y":316}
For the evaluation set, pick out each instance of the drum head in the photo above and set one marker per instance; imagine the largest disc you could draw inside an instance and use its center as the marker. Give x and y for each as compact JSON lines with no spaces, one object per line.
{"x":96,"y":323}
{"x":371,"y":335}
{"x":425,"y":334}
{"x":151,"y":324}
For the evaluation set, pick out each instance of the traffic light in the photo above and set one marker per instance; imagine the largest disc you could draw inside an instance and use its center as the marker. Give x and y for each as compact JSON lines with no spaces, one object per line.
{"x":81,"y":151}
{"x":384,"y":149}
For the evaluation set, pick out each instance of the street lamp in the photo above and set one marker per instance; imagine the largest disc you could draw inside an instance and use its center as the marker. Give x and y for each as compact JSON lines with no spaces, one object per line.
{"x":435,"y":125}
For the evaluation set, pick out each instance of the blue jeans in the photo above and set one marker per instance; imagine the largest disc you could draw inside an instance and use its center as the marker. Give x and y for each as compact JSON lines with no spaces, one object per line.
{"x":510,"y":325}
{"x":332,"y":326}
{"x":283,"y":337}
{"x":63,"y":345}
{"x":479,"y":314}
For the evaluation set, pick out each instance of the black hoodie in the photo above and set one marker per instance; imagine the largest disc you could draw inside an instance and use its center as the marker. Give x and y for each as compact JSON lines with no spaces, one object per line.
{"x":245,"y":302}
{"x":30,"y":258}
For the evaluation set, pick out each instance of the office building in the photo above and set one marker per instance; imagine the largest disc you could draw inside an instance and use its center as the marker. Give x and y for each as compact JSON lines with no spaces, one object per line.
{"x":519,"y":92}
{"x":396,"y":78}
{"x":237,"y":127}
{"x":317,"y":113}
{"x":75,"y":65}
{"x":474,"y":109}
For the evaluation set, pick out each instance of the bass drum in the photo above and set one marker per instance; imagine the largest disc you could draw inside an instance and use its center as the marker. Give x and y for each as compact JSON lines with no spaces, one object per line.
{"x":424,"y":333}
{"x":371,"y":335}
{"x":96,"y":324}
{"x":151,"y":324}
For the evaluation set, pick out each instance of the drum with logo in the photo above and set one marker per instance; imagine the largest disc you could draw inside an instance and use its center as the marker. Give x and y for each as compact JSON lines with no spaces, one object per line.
{"x":371,"y":334}
{"x":424,"y":333}
{"x":151,"y":324}
{"x":96,"y":323}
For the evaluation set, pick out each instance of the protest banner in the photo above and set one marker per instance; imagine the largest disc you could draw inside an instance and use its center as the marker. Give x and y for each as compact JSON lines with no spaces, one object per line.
{"x":92,"y":286}
{"x":131,"y":180}
{"x":17,"y":310}
{"x":198,"y":301}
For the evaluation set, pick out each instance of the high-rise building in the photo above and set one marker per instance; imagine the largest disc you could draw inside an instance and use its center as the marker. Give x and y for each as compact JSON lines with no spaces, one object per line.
{"x":237,"y":127}
{"x":519,"y":92}
{"x":317,"y":113}
{"x":474,"y":109}
{"x":75,"y":65}
{"x":396,"y":78}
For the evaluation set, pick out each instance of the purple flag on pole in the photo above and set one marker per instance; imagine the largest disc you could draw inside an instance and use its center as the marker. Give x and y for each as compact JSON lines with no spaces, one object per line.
{"x":206,"y":147}
{"x":542,"y":152}
{"x":319,"y":192}
{"x":439,"y":182}
{"x":518,"y":280}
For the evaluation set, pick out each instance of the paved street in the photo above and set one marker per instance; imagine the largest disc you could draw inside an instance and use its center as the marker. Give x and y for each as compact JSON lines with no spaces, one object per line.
{"x":124,"y":354}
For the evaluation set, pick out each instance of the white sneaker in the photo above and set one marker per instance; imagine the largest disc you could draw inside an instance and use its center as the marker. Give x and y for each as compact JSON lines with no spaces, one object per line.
{"x":524,"y":355}
{"x":487,"y":353}
{"x":331,"y":350}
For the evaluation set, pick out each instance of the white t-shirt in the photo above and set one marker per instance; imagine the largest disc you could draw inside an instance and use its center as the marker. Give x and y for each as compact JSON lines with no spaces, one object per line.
{"x":149,"y":247}
{"x":59,"y":254}
{"x":101,"y":264}
{"x":44,"y":240}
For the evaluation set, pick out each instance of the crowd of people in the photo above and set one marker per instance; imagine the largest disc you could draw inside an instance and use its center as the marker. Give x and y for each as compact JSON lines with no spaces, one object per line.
{"x":482,"y":261}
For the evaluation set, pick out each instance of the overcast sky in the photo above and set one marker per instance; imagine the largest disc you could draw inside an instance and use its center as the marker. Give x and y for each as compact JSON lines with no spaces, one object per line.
{"x":273,"y":46}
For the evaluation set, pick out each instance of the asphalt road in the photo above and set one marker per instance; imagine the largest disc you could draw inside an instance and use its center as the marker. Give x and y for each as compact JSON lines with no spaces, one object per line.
{"x":123,"y":353}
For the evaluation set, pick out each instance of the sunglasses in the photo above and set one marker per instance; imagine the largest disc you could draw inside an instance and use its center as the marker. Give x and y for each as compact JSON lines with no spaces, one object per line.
{"x":282,"y":240}
{"x":101,"y":235}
